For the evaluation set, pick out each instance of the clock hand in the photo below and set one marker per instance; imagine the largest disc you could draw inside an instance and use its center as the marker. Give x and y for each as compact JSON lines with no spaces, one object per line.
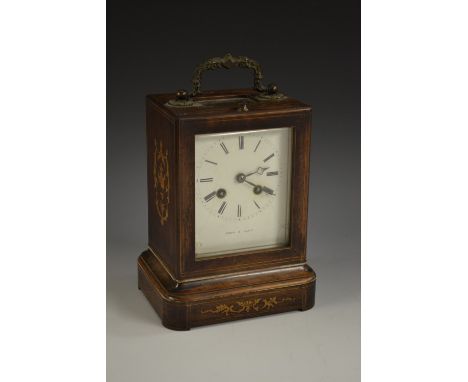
{"x":258,"y":171}
{"x":257,"y":189}
{"x":268,"y":190}
{"x":253,"y":185}
{"x":261,"y":170}
{"x":241,"y":177}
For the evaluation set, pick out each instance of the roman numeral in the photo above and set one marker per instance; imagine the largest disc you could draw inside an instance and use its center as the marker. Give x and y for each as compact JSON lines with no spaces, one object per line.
{"x":269,"y":157}
{"x":223,"y":146}
{"x":206,"y":180}
{"x":239,"y":211}
{"x":210,"y":196}
{"x":258,"y":144}
{"x":222,"y":208}
{"x":268,"y":190}
{"x":241,"y":143}
{"x":206,"y":160}
{"x":271,"y":173}
{"x":256,"y":204}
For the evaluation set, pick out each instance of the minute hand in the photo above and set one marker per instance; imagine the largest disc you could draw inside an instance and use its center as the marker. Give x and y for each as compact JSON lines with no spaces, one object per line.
{"x":268,"y":190}
{"x":263,"y":188}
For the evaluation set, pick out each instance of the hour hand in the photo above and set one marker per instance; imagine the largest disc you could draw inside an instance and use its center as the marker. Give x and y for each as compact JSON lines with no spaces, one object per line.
{"x":261,"y":170}
{"x":258,"y":171}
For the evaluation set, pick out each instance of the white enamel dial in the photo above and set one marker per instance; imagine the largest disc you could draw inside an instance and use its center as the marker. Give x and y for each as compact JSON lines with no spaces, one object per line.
{"x":242,"y":191}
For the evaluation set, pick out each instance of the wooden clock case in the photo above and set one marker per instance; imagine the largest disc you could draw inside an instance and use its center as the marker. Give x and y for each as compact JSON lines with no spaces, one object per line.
{"x":188,"y":292}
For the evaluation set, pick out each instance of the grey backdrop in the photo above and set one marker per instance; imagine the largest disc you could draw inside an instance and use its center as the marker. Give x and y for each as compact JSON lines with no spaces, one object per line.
{"x":312,"y":51}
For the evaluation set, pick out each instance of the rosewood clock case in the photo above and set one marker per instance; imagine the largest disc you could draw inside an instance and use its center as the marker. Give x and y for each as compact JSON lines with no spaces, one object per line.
{"x":187,"y":291}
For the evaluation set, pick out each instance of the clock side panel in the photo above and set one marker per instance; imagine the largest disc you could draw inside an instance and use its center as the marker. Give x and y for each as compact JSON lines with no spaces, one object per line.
{"x":162,"y":195}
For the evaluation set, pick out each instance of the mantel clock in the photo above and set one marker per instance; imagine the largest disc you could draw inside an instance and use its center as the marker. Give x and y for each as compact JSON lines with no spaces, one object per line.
{"x":228,"y":176}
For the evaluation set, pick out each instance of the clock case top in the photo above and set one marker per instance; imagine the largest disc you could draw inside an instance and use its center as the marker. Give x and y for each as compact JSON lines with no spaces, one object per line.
{"x":171,"y":134}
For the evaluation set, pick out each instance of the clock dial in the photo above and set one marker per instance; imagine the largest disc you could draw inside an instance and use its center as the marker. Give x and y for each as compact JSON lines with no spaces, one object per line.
{"x":242,"y":191}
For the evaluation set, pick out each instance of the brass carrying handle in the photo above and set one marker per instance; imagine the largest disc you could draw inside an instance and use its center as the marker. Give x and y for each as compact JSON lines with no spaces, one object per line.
{"x":227,"y":62}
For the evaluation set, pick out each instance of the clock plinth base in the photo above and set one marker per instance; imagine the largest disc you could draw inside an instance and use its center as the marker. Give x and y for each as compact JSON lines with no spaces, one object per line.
{"x":202,"y":301}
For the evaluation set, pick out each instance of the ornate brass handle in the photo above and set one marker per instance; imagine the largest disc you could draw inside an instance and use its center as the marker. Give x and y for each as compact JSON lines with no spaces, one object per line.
{"x":186,"y":99}
{"x":227,"y":62}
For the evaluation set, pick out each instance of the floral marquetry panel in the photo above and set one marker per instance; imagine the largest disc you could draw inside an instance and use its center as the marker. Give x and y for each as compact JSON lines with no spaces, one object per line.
{"x":247,"y":307}
{"x":256,"y":304}
{"x":161,"y":181}
{"x":162,"y":218}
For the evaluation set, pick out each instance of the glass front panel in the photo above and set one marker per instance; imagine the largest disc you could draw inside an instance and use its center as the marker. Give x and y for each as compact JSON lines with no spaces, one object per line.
{"x":242,"y":191}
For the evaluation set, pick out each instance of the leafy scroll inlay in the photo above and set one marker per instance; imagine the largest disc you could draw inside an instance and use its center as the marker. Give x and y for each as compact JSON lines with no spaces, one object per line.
{"x":161,"y":181}
{"x":257,"y":304}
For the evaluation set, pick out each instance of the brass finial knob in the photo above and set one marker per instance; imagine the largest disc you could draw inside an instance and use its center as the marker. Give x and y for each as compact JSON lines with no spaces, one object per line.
{"x":272,"y":89}
{"x":182,"y":95}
